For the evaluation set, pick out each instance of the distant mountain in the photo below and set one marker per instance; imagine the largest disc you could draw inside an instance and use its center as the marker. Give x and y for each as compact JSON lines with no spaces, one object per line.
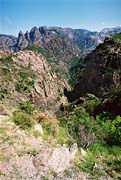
{"x":57,"y":41}
{"x":52,"y":37}
{"x":93,"y":39}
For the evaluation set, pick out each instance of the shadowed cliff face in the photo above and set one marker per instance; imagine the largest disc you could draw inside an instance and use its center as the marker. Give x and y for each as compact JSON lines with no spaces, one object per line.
{"x":102,"y":72}
{"x":111,"y":105}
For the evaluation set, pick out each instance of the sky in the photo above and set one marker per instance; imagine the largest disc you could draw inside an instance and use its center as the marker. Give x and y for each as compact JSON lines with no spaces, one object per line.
{"x":16,"y":15}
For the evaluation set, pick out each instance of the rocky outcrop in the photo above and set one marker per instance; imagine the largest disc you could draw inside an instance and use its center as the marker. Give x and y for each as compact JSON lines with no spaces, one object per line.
{"x":26,"y":157}
{"x":111,"y":104}
{"x":102,"y":72}
{"x":54,"y":160}
{"x":31,"y":158}
{"x":35,"y":36}
{"x":22,"y":41}
{"x":30,"y":77}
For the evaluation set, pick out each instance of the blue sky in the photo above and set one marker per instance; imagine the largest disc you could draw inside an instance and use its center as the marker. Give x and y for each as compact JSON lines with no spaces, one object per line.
{"x":16,"y":15}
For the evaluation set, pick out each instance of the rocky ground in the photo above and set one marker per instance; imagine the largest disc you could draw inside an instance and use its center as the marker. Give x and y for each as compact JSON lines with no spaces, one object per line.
{"x":24,"y":155}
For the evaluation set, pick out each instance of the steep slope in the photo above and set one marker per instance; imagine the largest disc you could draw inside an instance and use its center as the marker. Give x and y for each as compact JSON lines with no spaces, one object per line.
{"x":27,"y":76}
{"x":102,"y":72}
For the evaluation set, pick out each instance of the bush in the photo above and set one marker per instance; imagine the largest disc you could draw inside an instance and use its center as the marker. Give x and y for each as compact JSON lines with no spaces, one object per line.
{"x":90,"y":103}
{"x":50,"y":124}
{"x":26,"y":107}
{"x":24,"y":85}
{"x":111,"y":129}
{"x":25,"y":80}
{"x":117,"y":36}
{"x":22,"y":119}
{"x":83,"y":128}
{"x":114,"y":131}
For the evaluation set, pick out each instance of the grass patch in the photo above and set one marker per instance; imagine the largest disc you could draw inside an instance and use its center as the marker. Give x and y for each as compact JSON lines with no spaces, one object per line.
{"x":23,"y":120}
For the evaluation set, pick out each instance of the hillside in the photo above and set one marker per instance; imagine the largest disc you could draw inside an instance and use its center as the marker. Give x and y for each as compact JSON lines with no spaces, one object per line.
{"x":101,"y":71}
{"x":27,"y":76}
{"x":50,"y":133}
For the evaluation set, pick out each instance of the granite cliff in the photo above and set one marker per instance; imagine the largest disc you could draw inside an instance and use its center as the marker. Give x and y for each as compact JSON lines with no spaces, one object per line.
{"x":26,"y":75}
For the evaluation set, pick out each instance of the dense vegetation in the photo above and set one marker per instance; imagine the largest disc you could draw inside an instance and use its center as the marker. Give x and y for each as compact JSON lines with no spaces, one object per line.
{"x":100,"y":135}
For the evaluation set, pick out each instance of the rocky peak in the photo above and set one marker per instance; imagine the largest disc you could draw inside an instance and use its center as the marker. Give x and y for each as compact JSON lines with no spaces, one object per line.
{"x":35,"y":36}
{"x":43,"y":30}
{"x":27,"y":36}
{"x":20,"y":34}
{"x":22,"y":41}
{"x":53,"y":40}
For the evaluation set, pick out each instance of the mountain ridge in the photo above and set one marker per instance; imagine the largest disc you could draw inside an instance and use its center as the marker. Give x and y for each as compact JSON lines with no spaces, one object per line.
{"x":71,"y":33}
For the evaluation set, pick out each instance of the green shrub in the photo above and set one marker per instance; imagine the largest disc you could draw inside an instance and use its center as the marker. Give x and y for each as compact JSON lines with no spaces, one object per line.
{"x":91,"y":103}
{"x":114,"y":131}
{"x":3,"y":93}
{"x":22,"y":119}
{"x":26,"y":107}
{"x":24,"y":85}
{"x":117,"y":36}
{"x":111,"y":129}
{"x":25,"y":81}
{"x":6,"y":60}
{"x":33,"y":152}
{"x":83,"y":128}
